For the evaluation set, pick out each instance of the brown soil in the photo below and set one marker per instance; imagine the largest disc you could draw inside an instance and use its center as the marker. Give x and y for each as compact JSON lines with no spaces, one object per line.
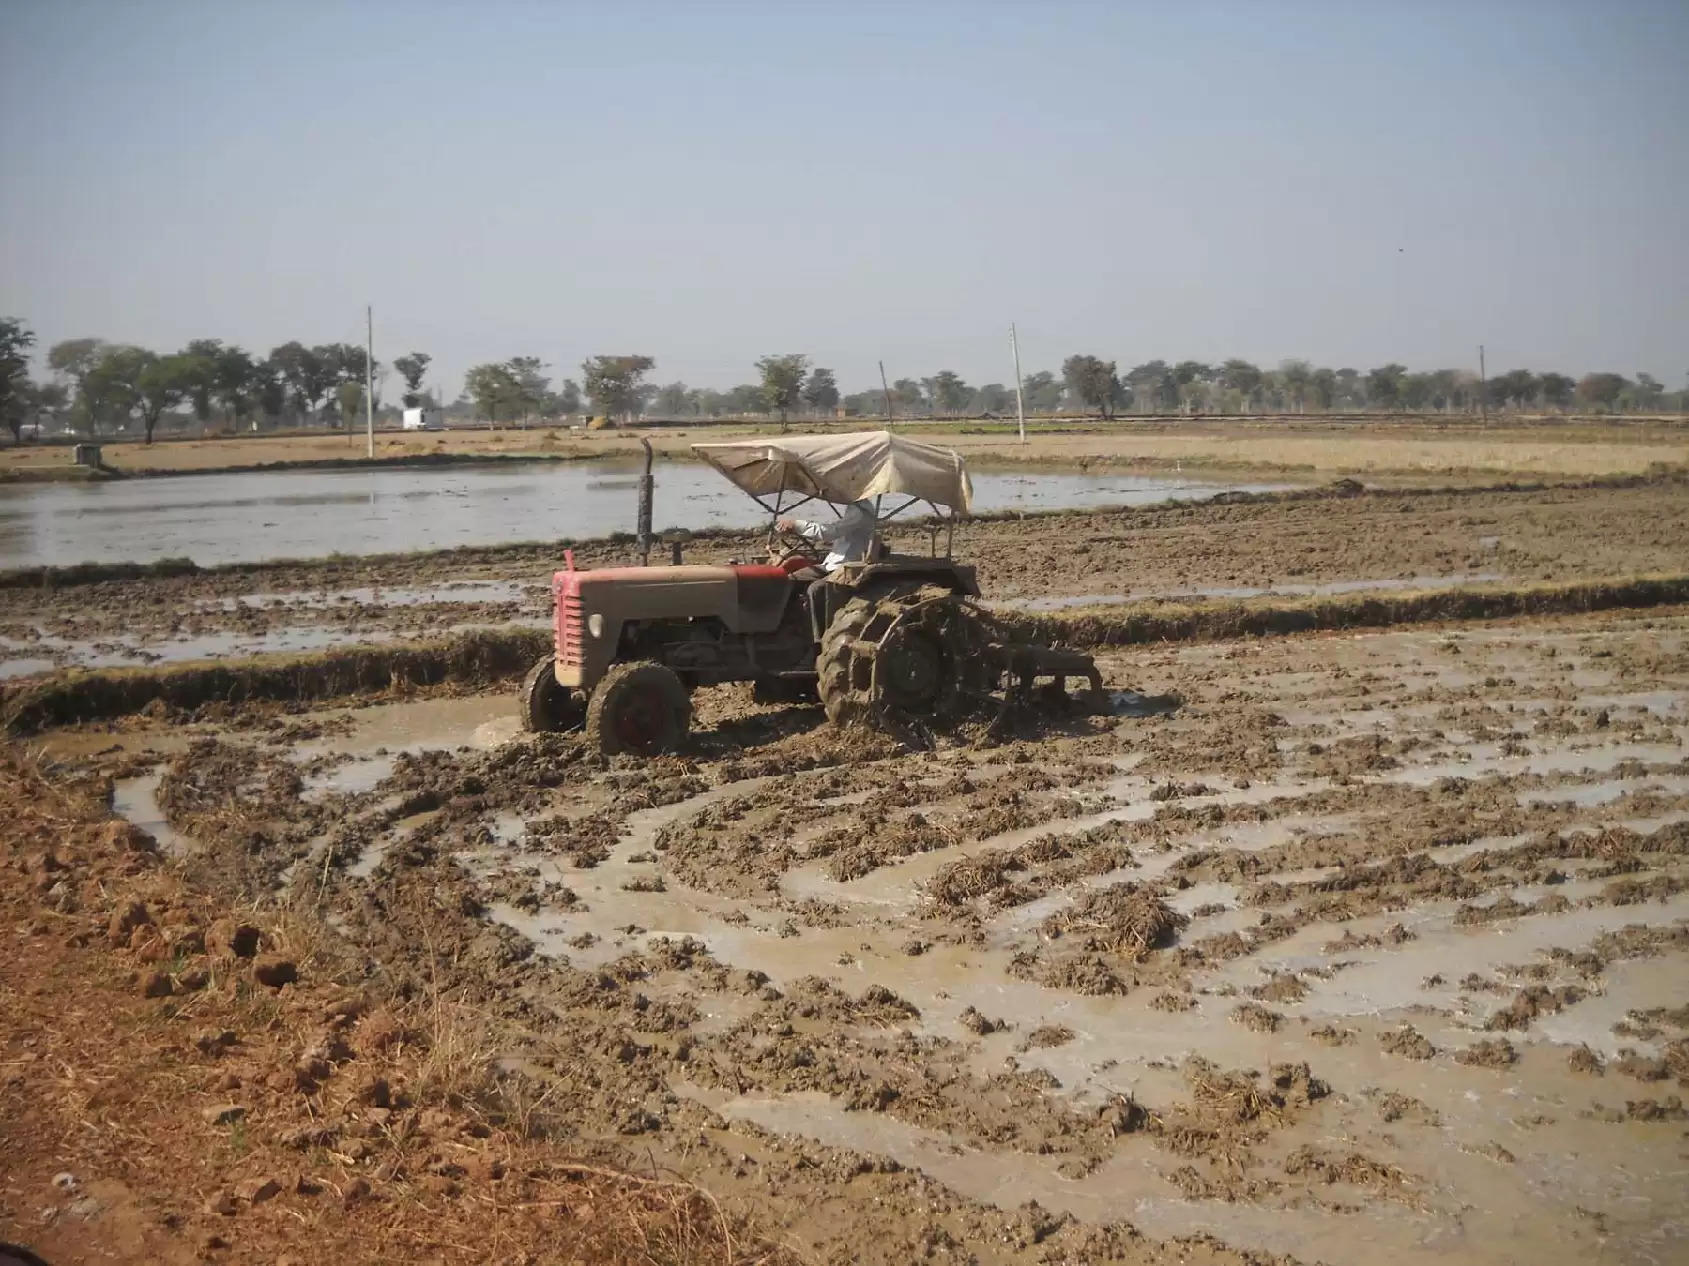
{"x":892,"y":1004}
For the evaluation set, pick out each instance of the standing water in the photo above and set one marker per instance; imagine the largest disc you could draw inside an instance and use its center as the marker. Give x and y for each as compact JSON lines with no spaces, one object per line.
{"x":308,"y":514}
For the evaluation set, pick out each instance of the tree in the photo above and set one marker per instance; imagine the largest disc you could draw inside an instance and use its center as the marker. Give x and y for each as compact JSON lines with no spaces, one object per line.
{"x":614,"y":383}
{"x":675,"y":400}
{"x":1556,"y":389}
{"x":569,"y":397}
{"x":269,"y":390}
{"x":308,"y":371}
{"x":1416,"y":391}
{"x":112,"y":386}
{"x":994,"y":397}
{"x":1193,"y":379}
{"x":1297,"y":377}
{"x":1384,"y":385}
{"x":1645,"y":395}
{"x":1322,"y":387}
{"x":862,"y":404}
{"x":16,"y":393}
{"x":234,"y":380}
{"x":48,"y":397}
{"x":162,"y":384}
{"x":349,"y":400}
{"x":1093,"y":382}
{"x":782,"y":382}
{"x":1600,"y":391}
{"x":1153,"y":385}
{"x":73,"y":360}
{"x":412,"y":368}
{"x":1517,"y":387}
{"x":949,"y":393}
{"x":1041,"y":392}
{"x":747,"y":397}
{"x":494,"y":389}
{"x":533,"y":388}
{"x":1242,"y":377}
{"x":347,"y":361}
{"x":203,"y":355}
{"x":908,"y":395}
{"x":821,"y":392}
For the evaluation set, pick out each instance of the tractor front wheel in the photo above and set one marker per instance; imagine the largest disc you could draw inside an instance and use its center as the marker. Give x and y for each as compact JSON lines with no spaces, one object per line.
{"x":545,"y":704}
{"x":640,"y":708}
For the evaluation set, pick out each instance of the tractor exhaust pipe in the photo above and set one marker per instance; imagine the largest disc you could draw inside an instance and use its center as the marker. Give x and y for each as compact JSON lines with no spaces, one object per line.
{"x":645,"y":489}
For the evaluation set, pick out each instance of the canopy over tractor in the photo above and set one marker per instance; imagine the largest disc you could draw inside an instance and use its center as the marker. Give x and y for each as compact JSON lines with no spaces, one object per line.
{"x":857,"y":466}
{"x":884,"y":639}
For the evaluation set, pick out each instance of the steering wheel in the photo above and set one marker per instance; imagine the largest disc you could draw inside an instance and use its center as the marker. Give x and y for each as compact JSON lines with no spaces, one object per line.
{"x":784,"y":546}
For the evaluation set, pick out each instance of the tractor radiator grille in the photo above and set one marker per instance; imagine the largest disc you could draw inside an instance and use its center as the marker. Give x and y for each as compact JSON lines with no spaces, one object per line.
{"x":568,"y":608}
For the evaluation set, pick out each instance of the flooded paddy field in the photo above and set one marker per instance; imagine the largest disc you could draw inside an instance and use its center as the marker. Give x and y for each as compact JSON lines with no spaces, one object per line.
{"x":251,"y":516}
{"x":1313,"y":544}
{"x":1376,"y":944}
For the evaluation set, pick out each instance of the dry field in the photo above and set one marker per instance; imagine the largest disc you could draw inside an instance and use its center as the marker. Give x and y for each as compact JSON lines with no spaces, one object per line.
{"x":1407,"y":448}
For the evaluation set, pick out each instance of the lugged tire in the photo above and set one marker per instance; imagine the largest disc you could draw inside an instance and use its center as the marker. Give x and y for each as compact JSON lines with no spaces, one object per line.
{"x":842,"y":676}
{"x":638,"y":708}
{"x":546,"y":705}
{"x":833,"y":663}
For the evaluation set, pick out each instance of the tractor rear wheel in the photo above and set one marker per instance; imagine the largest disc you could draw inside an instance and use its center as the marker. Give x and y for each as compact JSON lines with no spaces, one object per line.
{"x":899,"y":656}
{"x":545,"y":704}
{"x":639,"y":708}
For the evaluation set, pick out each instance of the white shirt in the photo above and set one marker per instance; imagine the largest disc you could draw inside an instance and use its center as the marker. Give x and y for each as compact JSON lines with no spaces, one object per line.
{"x":849,"y":536}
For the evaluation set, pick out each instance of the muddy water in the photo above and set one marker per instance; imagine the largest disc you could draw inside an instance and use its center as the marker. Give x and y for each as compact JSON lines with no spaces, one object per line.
{"x":309,"y":514}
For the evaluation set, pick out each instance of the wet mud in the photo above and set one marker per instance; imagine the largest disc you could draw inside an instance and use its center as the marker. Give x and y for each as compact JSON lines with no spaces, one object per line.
{"x":1378,"y":939}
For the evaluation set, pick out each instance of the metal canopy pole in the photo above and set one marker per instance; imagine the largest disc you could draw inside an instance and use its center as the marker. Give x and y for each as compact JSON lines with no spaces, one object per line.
{"x":645,"y":489}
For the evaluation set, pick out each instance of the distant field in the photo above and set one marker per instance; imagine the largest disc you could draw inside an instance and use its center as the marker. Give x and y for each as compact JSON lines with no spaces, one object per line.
{"x":1411,"y":448}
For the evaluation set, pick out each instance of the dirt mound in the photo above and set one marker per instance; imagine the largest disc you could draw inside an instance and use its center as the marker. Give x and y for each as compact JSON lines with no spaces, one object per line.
{"x":1354,"y":1169}
{"x":1125,"y":918}
{"x":1490,"y":1053}
{"x":1531,"y":1002}
{"x":1407,"y":1042}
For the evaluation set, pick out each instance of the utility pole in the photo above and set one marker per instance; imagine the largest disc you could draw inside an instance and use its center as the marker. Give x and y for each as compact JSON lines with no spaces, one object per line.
{"x":1483,"y":387}
{"x":887,"y":390}
{"x":369,"y":376}
{"x":1020,"y":394}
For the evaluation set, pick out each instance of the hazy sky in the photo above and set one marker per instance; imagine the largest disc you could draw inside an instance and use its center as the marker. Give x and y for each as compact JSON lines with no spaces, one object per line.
{"x":1352,"y":182}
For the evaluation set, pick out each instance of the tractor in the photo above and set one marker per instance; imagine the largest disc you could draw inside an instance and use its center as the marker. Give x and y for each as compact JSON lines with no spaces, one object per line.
{"x":886,"y":640}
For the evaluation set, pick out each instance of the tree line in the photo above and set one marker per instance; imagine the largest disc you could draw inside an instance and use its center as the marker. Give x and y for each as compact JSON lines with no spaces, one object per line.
{"x":97,"y":386}
{"x":616,"y":387}
{"x":1297,"y":386}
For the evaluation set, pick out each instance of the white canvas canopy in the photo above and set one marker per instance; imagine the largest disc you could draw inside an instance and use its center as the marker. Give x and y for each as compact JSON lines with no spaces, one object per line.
{"x":854,"y":466}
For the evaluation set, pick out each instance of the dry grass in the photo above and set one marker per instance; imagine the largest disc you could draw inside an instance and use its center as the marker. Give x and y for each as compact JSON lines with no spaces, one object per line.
{"x":1401,"y":445}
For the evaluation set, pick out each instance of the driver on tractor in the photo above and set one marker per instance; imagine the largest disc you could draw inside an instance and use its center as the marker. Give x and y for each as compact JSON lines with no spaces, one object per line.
{"x":848,"y":539}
